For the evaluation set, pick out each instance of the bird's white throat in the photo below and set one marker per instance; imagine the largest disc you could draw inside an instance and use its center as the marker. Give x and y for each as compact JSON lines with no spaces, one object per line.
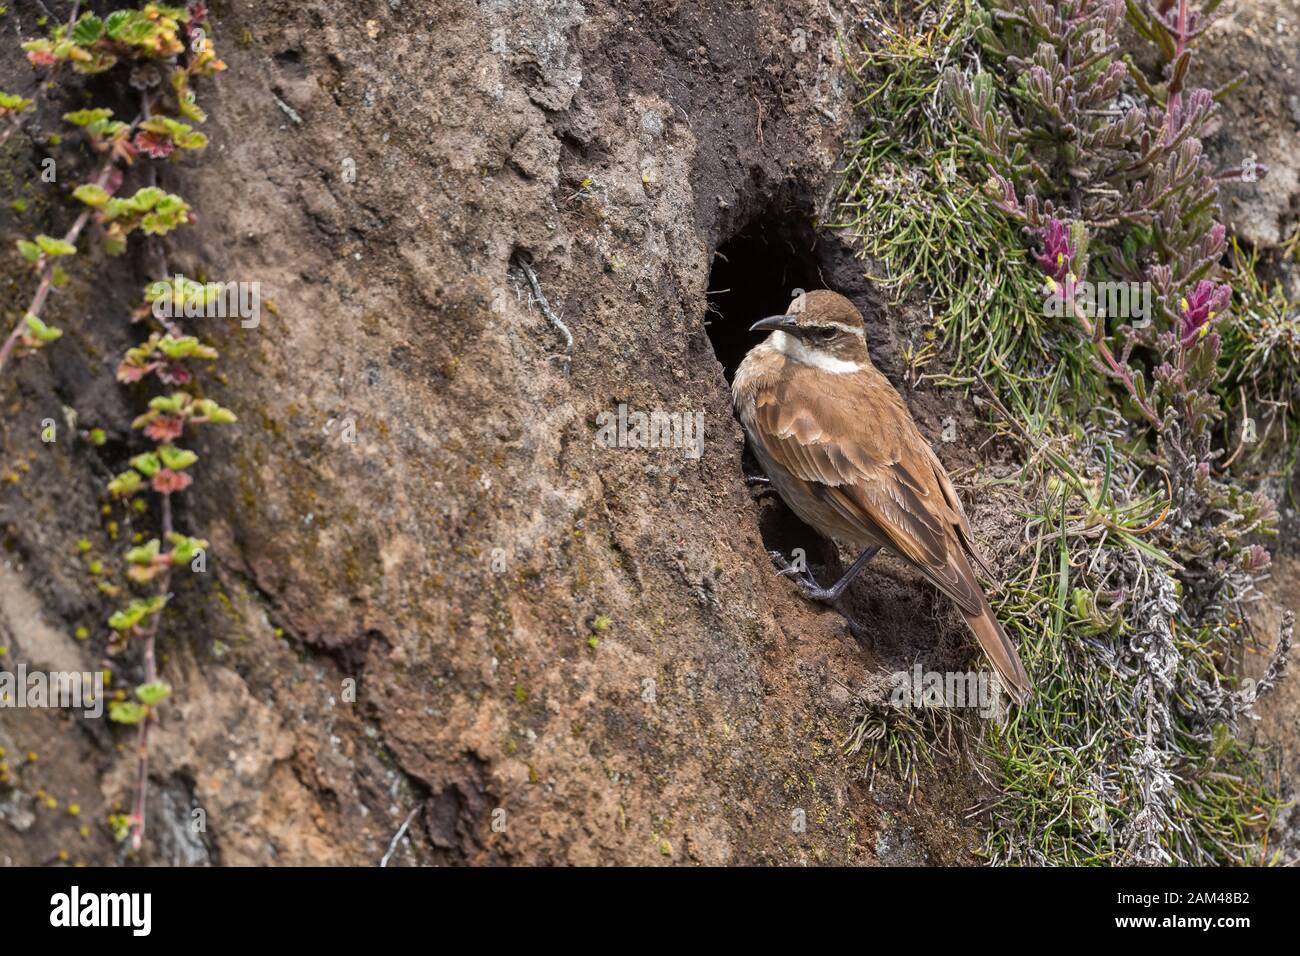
{"x":792,"y":348}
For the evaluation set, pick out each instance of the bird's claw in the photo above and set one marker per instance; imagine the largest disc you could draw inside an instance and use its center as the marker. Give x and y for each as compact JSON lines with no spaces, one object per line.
{"x":762,"y":486}
{"x":802,"y":577}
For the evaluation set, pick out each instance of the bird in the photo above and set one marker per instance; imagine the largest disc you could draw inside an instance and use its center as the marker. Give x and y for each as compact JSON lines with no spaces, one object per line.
{"x":842,"y":451}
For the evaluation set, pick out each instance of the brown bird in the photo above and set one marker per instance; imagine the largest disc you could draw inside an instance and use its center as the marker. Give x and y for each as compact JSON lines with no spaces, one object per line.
{"x":841,"y":449}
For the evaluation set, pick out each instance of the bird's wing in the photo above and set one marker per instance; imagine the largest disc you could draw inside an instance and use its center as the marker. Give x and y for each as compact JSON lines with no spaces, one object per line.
{"x":858,"y":449}
{"x":954,"y":503}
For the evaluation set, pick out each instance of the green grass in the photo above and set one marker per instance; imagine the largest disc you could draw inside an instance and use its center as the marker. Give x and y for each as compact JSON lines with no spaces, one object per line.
{"x":1126,"y":753}
{"x":902,"y":742}
{"x":1261,"y":348}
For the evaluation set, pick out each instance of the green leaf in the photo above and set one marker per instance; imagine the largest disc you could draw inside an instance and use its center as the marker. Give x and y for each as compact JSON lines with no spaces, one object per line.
{"x":153,"y":694}
{"x":184,"y":548}
{"x":170,"y":404}
{"x":123,"y":620}
{"x":214,"y":413}
{"x":177,"y":459}
{"x":145,"y":553}
{"x":86,"y":117}
{"x":87,"y":30}
{"x":106,"y":129}
{"x":117,"y":20}
{"x":180,"y":348}
{"x":147,"y":464}
{"x":145,"y":198}
{"x":30,"y":250}
{"x":194,"y":140}
{"x":39,"y":330}
{"x":127,"y":712}
{"x":136,"y":612}
{"x":137,"y":32}
{"x":91,"y":194}
{"x":12,"y":103}
{"x":130,"y":26}
{"x":98,"y":62}
{"x":124,"y":485}
{"x":182,"y":134}
{"x":55,"y":247}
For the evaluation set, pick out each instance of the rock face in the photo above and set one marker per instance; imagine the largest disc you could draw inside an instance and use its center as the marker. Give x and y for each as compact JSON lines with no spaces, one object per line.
{"x":433,"y":593}
{"x":561,"y":651}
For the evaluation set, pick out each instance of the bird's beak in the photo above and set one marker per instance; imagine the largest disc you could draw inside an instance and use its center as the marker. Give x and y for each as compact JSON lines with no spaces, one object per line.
{"x":776,"y":323}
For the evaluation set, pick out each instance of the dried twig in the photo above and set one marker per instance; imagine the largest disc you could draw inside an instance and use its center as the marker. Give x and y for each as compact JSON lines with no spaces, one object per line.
{"x":401,"y":831}
{"x":550,"y":315}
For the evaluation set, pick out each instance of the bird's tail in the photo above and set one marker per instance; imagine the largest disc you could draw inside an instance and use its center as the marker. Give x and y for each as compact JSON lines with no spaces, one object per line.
{"x":1001,"y":652}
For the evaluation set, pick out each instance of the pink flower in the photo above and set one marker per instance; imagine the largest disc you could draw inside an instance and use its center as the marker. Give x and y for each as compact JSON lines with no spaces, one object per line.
{"x":1057,"y":251}
{"x":127,"y":373}
{"x":40,"y":57}
{"x":167,"y":482}
{"x":164,"y":428}
{"x":198,"y":12}
{"x":174,"y":374}
{"x":1255,"y":558}
{"x":153,"y":144}
{"x":1201,"y":308}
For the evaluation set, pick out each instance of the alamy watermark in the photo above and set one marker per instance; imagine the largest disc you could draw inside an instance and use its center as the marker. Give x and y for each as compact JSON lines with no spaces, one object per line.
{"x":653,"y":429}
{"x":978,"y":690}
{"x":71,"y":690}
{"x":185,"y":298}
{"x":1099,"y":300}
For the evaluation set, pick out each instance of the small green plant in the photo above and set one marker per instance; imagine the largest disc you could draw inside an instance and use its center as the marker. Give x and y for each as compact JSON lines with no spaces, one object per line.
{"x":164,"y":470}
{"x":158,"y":52}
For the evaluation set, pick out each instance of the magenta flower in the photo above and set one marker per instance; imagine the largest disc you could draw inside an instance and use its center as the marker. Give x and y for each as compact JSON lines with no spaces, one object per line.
{"x":174,"y":373}
{"x":1057,"y":251}
{"x":154,"y":145}
{"x":1201,"y":308}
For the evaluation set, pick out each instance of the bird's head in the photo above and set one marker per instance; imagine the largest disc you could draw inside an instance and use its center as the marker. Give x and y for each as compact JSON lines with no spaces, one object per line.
{"x":821,"y":325}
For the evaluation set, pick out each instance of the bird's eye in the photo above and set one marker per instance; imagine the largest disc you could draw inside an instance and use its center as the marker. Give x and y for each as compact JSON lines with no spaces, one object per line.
{"x":825,"y":335}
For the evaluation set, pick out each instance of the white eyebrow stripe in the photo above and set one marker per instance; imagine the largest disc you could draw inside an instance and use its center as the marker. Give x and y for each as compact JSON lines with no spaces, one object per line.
{"x":792,"y":348}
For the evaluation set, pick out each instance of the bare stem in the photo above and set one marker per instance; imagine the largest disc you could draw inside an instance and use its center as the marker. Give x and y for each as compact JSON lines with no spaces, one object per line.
{"x":151,"y":633}
{"x":150,"y":675}
{"x":1117,"y":371}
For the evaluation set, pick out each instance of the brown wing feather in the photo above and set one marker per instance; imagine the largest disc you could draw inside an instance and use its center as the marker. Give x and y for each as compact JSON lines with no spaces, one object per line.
{"x":963,"y":524}
{"x":876,"y":471}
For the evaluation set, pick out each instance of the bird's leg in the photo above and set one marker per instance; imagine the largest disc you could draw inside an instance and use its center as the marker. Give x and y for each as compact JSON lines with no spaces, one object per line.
{"x":761,"y":485}
{"x":809,"y":586}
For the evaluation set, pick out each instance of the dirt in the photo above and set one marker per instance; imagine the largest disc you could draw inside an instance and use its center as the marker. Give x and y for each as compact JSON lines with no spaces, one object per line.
{"x":561,"y":652}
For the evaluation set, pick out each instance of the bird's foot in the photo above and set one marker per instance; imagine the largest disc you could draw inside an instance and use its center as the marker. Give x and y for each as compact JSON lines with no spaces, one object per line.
{"x":762,"y":486}
{"x":803,"y":578}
